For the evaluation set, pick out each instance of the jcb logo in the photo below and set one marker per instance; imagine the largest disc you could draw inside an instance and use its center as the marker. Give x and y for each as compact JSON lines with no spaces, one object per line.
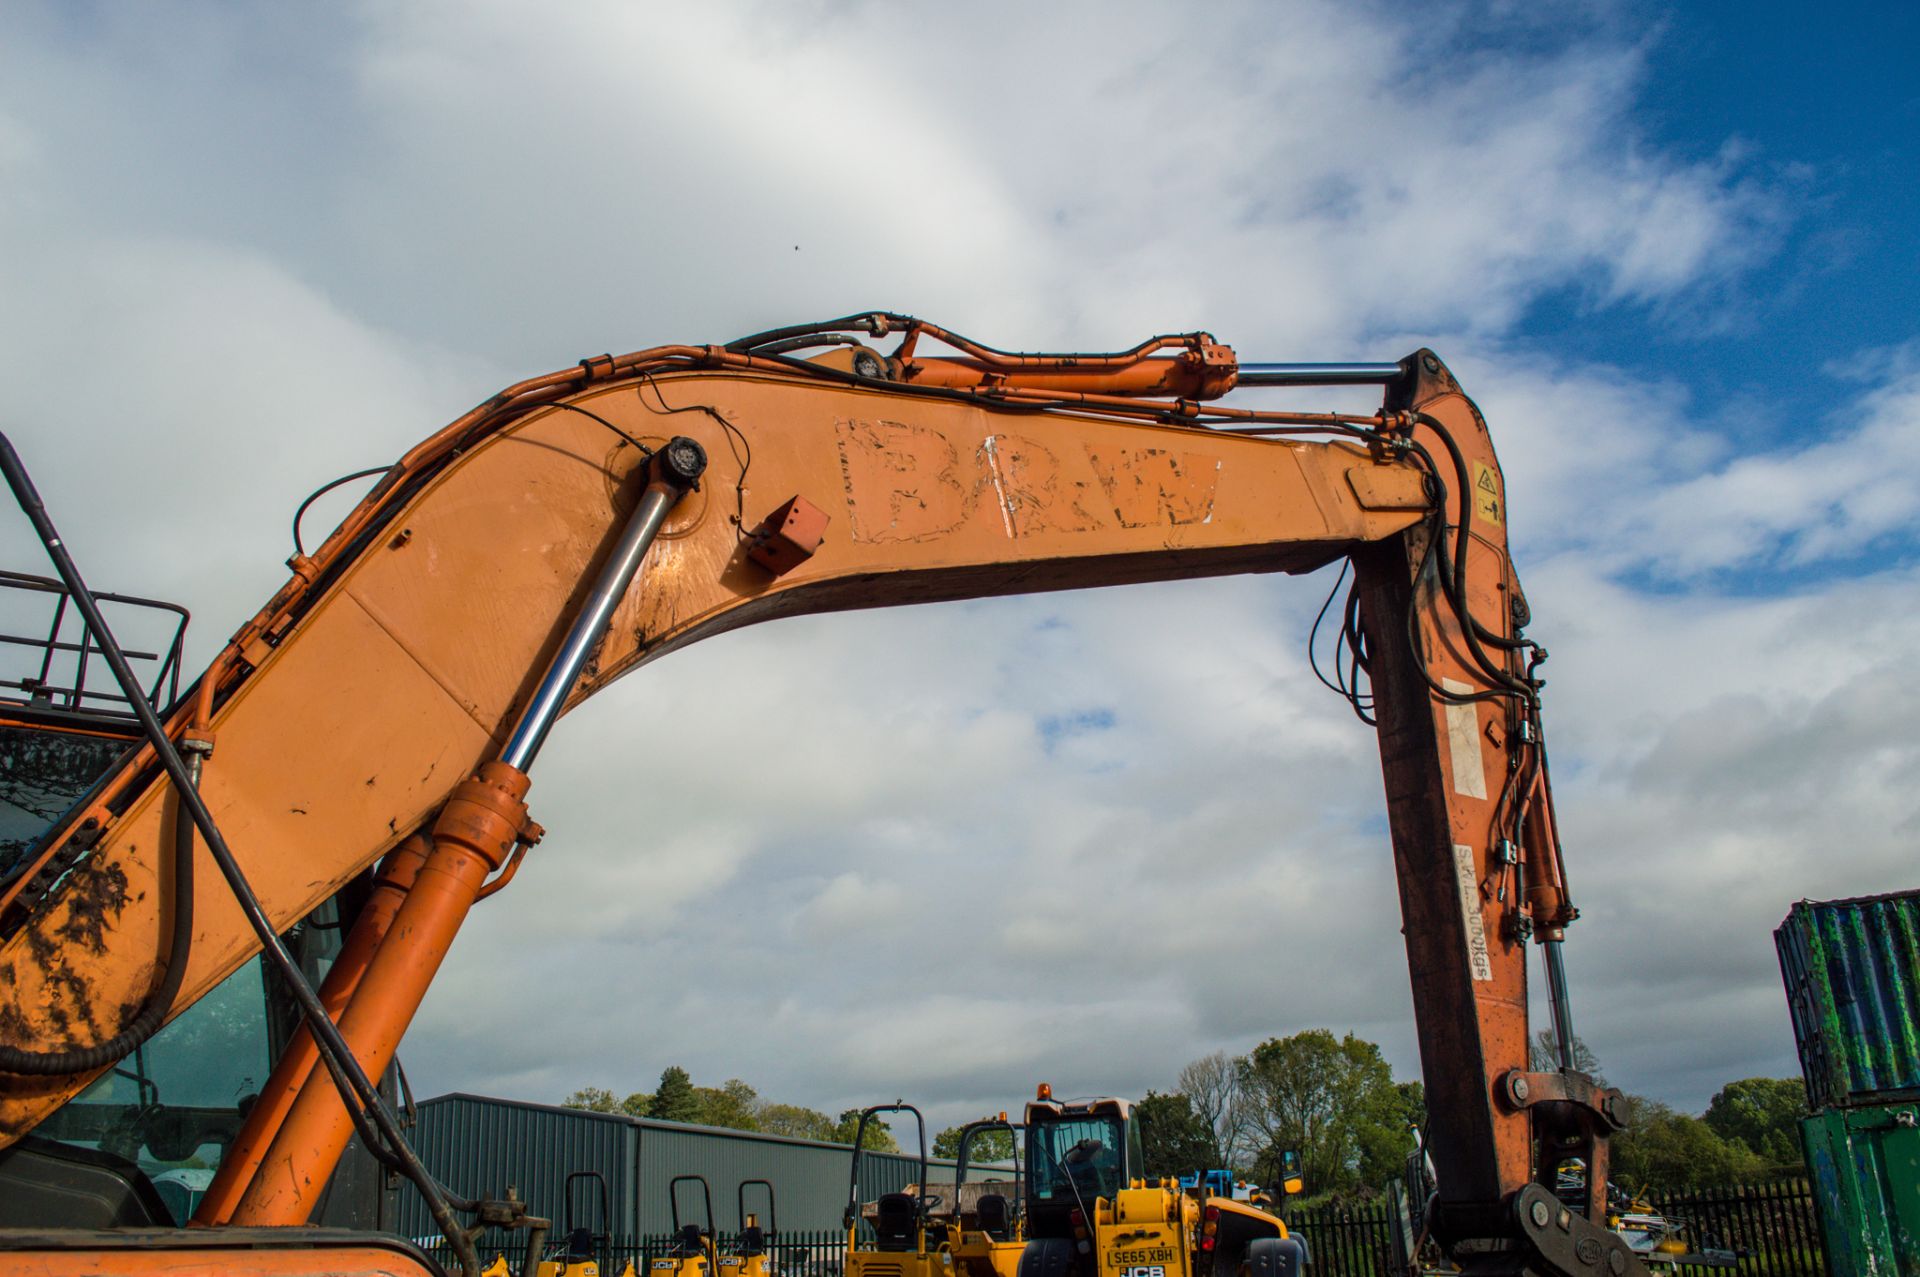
{"x":1144,"y":1270}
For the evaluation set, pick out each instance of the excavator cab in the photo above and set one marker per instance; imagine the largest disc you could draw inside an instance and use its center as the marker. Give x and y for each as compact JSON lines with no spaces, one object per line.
{"x":905,"y":1242}
{"x":692,"y":1253}
{"x":986,"y":1237}
{"x":752,"y":1251}
{"x":134,"y":1147}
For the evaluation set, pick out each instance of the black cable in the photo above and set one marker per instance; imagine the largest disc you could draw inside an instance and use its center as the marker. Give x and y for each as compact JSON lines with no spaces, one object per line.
{"x":322,"y":491}
{"x":645,"y":452}
{"x":733,"y":434}
{"x":1313,"y":635}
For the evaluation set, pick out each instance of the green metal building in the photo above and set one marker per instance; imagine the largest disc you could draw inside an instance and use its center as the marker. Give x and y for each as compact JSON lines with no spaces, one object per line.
{"x":478,"y":1145}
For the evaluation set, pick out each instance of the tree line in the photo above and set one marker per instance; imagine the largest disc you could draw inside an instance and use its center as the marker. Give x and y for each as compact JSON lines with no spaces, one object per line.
{"x":1334,"y":1100}
{"x":737,"y":1106}
{"x":733,"y":1104}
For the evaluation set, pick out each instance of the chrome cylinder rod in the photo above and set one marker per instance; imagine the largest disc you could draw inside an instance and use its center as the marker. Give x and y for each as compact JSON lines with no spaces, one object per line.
{"x":672,"y":471}
{"x":1562,"y":1004}
{"x":1317,"y":374}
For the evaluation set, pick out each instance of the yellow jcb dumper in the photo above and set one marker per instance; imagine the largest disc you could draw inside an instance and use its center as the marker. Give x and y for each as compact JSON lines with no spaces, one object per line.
{"x":906,"y":1244}
{"x":986,"y":1239}
{"x":751,"y":1254}
{"x":692,"y":1254}
{"x":1090,"y":1212}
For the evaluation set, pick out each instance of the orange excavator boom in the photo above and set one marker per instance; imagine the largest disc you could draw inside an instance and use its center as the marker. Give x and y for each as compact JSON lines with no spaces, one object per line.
{"x":387,"y":705}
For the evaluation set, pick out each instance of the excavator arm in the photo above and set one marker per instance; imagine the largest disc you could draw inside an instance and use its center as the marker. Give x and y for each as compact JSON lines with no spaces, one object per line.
{"x":386,"y":706}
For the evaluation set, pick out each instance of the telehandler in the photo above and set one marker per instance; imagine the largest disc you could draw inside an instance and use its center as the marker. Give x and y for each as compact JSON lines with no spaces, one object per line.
{"x":1091,"y":1209}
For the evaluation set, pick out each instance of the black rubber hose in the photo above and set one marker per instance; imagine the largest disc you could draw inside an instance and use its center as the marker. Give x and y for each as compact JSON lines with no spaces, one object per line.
{"x":159,"y":1001}
{"x":862,"y":322}
{"x":322,"y":491}
{"x":1450,"y":575}
{"x":1459,"y":571}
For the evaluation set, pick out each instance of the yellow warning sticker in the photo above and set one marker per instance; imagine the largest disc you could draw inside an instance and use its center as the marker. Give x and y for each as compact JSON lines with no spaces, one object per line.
{"x":1488,"y":503}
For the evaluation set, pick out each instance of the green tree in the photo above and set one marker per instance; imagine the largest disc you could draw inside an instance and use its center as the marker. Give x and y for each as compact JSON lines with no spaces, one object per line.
{"x":675,"y":1100}
{"x":1385,"y":1143}
{"x":732,"y":1104}
{"x":1332,"y":1099}
{"x":879,"y":1136}
{"x":594,"y":1099}
{"x":637,"y":1104}
{"x":1764,"y":1114}
{"x":1669,"y":1151}
{"x":987,"y":1146}
{"x":795,"y":1121}
{"x":1174,"y":1138}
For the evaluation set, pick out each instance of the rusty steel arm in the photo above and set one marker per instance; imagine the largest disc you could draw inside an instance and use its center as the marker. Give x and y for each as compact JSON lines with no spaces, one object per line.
{"x":403,"y":652}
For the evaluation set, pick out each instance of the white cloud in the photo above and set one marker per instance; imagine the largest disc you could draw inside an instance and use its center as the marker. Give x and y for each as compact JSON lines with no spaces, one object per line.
{"x":239,"y":256}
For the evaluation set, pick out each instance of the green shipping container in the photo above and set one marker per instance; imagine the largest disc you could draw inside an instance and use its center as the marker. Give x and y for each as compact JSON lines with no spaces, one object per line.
{"x":1852,"y":971}
{"x":1866,"y":1184}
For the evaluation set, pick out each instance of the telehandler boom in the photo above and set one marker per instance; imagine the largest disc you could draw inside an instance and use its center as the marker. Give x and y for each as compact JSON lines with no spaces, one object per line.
{"x":374,"y":726}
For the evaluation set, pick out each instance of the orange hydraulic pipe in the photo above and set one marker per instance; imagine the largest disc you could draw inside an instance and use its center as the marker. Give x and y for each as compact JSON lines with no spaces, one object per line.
{"x":473,"y":837}
{"x":1184,"y":377}
{"x":395,"y":879}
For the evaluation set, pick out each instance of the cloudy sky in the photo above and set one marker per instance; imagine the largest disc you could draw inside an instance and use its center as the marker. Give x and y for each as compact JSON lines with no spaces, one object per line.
{"x":1079,"y":838}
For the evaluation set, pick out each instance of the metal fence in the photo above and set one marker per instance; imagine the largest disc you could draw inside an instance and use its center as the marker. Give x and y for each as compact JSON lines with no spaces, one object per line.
{"x":1771,"y":1227}
{"x":1346,"y":1241}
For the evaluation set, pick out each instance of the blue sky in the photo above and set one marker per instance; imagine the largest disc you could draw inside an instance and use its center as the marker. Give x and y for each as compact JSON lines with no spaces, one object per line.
{"x":1816,"y":105}
{"x":1669,"y":249}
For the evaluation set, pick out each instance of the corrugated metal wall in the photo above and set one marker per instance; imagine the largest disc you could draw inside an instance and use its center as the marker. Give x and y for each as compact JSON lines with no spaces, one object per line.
{"x":474,"y":1145}
{"x":477,"y":1146}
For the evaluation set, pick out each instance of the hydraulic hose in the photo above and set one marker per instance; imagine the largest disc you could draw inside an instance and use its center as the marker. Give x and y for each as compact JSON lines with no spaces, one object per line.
{"x":153,"y":1011}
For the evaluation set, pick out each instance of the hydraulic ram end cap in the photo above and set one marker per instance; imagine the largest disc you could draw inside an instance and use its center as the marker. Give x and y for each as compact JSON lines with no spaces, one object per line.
{"x":681,"y":462}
